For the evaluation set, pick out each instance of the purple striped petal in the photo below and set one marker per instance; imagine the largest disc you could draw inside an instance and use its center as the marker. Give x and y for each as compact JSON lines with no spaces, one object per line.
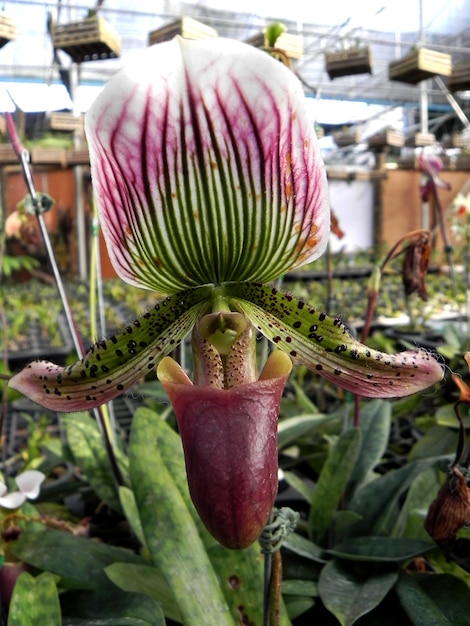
{"x":206,"y":167}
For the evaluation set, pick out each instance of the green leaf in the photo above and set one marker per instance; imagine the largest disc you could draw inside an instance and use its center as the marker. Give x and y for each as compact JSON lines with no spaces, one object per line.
{"x":332,"y":482}
{"x":129,"y":506}
{"x":291,"y":428}
{"x":78,"y":560}
{"x":325,"y":345}
{"x":240,"y":570}
{"x":299,"y":588}
{"x":422,"y":492}
{"x":450,"y":594}
{"x":86,"y":443}
{"x":348,"y":595}
{"x":420,"y":608}
{"x":299,"y":485}
{"x":148,"y":580}
{"x":378,"y":502}
{"x":171,"y":535}
{"x":375,"y":432}
{"x":387,"y":549}
{"x":305,"y":548}
{"x":297,"y":605}
{"x":35,"y":601}
{"x":112,"y":607}
{"x":437,"y":441}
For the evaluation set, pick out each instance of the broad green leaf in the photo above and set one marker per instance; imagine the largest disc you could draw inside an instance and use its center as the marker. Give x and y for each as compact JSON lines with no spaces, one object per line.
{"x":437,"y":441}
{"x":332,"y":482}
{"x":297,"y":605}
{"x":291,"y":428}
{"x":145,"y":579}
{"x":299,"y":485}
{"x":419,"y":606}
{"x":451,"y":595}
{"x":325,"y":345}
{"x":245,"y":566}
{"x":171,"y":535}
{"x":343,"y":525}
{"x":35,"y":601}
{"x":375,"y":433}
{"x":305,"y":548}
{"x":299,"y":588}
{"x":126,"y":497}
{"x":86,"y":443}
{"x":387,"y":549}
{"x":422,"y":492}
{"x":349,"y":595}
{"x":112,"y":607}
{"x":78,"y":560}
{"x":378,"y":502}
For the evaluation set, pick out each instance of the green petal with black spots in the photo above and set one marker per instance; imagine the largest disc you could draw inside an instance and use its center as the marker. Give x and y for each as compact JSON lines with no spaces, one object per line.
{"x":115,"y":364}
{"x":325,"y":345}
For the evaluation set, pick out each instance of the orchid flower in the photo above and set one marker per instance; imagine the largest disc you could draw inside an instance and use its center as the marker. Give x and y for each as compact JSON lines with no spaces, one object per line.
{"x":431,"y":165}
{"x":29,"y":484}
{"x":210,"y":186}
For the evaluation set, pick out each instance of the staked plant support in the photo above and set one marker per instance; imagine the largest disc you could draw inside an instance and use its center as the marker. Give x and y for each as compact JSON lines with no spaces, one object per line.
{"x":40,"y":204}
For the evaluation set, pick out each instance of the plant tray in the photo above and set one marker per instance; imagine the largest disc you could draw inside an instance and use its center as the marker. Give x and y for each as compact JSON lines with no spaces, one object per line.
{"x":186,"y":27}
{"x":36,"y":344}
{"x":420,"y":65}
{"x":91,"y":39}
{"x":348,"y":62}
{"x":459,"y":80}
{"x":387,"y":138}
{"x":7,"y":30}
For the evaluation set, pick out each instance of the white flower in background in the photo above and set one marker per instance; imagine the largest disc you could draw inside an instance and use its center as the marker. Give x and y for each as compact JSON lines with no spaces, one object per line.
{"x":461,"y":204}
{"x":29,"y":484}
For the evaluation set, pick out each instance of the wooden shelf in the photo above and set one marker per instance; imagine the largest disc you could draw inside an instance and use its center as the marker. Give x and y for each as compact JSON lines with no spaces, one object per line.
{"x":60,"y":157}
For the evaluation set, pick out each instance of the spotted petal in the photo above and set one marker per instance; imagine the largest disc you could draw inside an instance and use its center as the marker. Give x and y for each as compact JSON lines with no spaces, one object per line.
{"x":325,"y":345}
{"x":113,"y":365}
{"x":206,"y":167}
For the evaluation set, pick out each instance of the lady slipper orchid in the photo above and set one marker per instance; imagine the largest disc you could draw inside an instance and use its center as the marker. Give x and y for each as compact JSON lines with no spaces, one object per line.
{"x":210,"y":185}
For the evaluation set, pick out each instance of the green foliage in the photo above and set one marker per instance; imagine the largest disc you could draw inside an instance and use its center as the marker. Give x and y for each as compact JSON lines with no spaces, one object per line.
{"x":12,"y":264}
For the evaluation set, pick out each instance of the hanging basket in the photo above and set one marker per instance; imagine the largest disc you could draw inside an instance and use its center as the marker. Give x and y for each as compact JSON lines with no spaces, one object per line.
{"x":91,"y":39}
{"x":348,"y":138}
{"x":461,"y":140}
{"x":387,"y":138}
{"x":348,"y":62}
{"x":420,"y":65}
{"x":186,"y":27}
{"x":459,"y":80}
{"x":421,"y":139}
{"x":291,"y":45}
{"x":7,"y":30}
